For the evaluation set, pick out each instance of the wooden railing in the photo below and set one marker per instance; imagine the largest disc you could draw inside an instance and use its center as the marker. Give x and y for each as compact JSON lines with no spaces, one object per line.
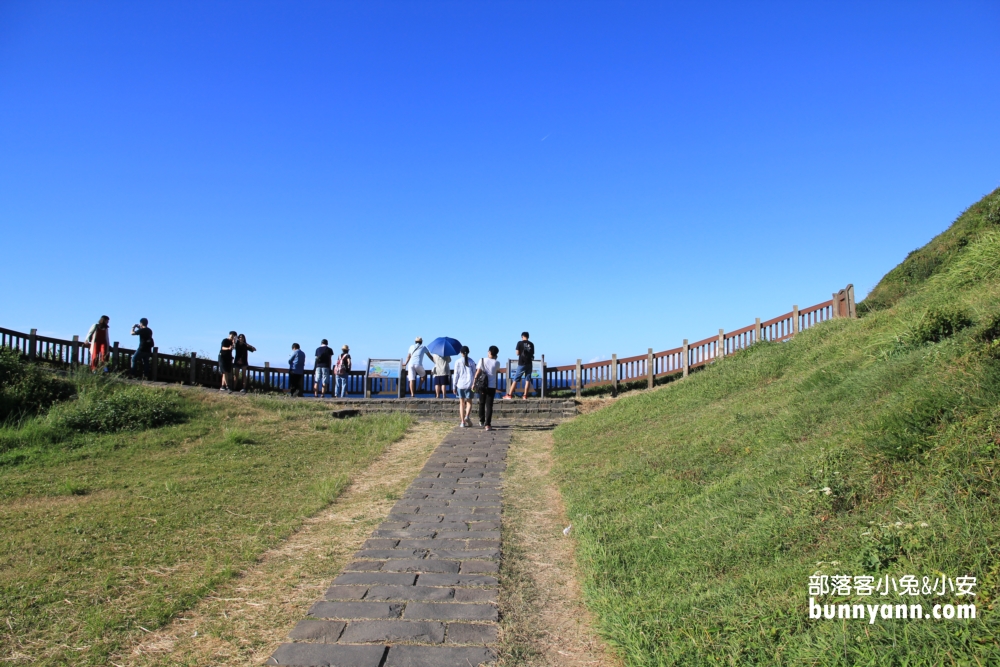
{"x":615,"y":372}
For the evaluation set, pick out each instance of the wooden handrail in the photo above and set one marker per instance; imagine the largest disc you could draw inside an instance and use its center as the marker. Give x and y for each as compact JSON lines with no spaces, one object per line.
{"x":177,"y":368}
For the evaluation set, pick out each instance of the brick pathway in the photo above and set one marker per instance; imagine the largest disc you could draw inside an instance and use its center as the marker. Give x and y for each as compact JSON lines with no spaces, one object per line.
{"x":422,"y":591}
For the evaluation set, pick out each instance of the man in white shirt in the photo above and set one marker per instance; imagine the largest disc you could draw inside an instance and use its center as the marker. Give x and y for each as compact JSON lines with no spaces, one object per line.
{"x":414,"y":363}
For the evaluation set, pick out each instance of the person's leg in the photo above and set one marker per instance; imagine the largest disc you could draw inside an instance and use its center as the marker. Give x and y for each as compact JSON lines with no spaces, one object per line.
{"x":482,"y":407}
{"x":527,"y":384}
{"x":317,"y":383}
{"x":490,"y":395}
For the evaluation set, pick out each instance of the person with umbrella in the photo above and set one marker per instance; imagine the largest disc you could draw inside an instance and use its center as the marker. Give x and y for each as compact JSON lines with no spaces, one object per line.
{"x":441,"y":350}
{"x":414,"y":363}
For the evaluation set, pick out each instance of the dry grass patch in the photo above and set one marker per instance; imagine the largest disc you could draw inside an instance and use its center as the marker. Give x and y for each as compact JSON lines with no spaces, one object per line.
{"x":244,"y":621}
{"x":544,"y":619}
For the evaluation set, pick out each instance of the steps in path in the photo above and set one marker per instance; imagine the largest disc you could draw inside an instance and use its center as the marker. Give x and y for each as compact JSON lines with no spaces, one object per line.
{"x":422,"y":591}
{"x":547,"y":410}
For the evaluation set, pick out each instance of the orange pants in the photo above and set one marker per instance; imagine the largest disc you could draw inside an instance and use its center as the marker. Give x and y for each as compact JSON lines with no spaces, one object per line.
{"x":98,"y":353}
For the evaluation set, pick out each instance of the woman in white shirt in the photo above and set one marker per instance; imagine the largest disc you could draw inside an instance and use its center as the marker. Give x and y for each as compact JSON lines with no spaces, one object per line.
{"x":465,"y":372}
{"x":488,"y":367}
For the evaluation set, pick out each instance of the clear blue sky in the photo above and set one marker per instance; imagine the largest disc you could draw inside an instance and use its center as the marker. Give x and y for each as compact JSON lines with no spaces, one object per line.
{"x":610,"y":176}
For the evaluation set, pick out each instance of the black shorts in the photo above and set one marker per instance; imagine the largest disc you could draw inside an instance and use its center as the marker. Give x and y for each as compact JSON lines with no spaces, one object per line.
{"x":441,"y":380}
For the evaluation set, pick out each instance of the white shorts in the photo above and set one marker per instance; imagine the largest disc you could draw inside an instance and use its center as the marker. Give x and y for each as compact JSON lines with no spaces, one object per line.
{"x":415,"y":372}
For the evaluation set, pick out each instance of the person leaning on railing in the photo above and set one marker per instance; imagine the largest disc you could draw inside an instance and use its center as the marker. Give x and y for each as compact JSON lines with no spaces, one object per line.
{"x":324,"y":355}
{"x":296,"y":370}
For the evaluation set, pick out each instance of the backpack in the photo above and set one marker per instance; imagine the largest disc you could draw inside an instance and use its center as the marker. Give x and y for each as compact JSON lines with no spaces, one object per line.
{"x":339,"y":368}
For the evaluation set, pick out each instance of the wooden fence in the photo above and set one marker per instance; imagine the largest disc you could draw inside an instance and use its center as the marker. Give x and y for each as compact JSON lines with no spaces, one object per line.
{"x":614,"y":372}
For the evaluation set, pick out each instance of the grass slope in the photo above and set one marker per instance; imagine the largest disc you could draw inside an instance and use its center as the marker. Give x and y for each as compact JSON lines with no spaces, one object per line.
{"x":860,"y":447}
{"x":106,"y":536}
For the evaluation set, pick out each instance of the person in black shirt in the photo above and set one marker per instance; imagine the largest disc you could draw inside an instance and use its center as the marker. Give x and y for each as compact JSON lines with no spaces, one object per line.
{"x":525,"y":357}
{"x":241,"y":352}
{"x":144,"y":351}
{"x":321,"y":376}
{"x":226,"y":365}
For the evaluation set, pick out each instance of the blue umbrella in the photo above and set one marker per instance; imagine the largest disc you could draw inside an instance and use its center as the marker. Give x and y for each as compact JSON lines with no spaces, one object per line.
{"x":444,"y":347}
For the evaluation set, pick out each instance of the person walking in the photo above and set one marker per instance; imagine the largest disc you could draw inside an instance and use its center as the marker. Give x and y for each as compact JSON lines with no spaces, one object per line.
{"x":488,"y":367}
{"x":324,"y":355}
{"x":342,"y":371}
{"x":442,"y":373}
{"x":465,"y":372}
{"x":144,"y":351}
{"x":296,"y":370}
{"x":525,"y":356}
{"x":98,"y":338}
{"x":414,"y":363}
{"x":241,"y":352}
{"x":226,"y":365}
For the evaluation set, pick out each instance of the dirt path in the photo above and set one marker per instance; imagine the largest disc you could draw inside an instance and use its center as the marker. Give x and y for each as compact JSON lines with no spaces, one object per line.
{"x":244,"y":621}
{"x":545,"y":621}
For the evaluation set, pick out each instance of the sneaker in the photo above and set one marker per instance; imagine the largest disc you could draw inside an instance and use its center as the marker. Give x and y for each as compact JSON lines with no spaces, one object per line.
{"x":222,"y":389}
{"x":489,"y":428}
{"x":243,"y":391}
{"x":482,"y":424}
{"x":507,"y":398}
{"x":461,"y":424}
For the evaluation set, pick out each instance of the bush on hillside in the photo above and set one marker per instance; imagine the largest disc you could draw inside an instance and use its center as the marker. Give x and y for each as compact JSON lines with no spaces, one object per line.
{"x":118,"y":407}
{"x":26,"y":389}
{"x":940,"y":323}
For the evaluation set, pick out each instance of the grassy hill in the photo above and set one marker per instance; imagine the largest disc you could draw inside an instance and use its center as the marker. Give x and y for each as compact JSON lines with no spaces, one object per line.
{"x":126,"y":504}
{"x":861,"y":447}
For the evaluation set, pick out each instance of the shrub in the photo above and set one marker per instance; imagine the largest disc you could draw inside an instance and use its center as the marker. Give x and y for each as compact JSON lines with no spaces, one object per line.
{"x":26,"y":389}
{"x":119,"y":408}
{"x":940,"y":323}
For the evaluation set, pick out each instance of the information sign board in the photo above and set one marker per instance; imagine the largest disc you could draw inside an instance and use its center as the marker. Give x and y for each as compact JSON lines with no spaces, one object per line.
{"x":384,"y":368}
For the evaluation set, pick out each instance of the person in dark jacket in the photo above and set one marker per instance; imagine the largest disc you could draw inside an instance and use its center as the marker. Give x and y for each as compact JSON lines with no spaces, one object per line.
{"x":226,"y":365}
{"x":296,"y":370}
{"x":144,"y":351}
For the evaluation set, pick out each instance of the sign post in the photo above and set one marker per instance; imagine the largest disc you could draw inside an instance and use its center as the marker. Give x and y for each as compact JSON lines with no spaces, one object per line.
{"x":383,"y":369}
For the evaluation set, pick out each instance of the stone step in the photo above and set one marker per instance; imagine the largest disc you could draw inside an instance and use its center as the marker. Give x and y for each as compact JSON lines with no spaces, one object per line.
{"x":422,"y":591}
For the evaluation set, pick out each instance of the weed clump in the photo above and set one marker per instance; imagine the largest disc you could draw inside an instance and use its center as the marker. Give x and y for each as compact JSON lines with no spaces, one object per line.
{"x":118,"y":407}
{"x":940,"y":323}
{"x":26,"y":389}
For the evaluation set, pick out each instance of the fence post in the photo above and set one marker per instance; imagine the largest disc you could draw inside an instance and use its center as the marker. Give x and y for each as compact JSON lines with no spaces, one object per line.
{"x":851,"y":311}
{"x":756,"y":336}
{"x":194,"y":368}
{"x":32,"y":344}
{"x":614,"y":374}
{"x":687,"y":358}
{"x":267,"y":374}
{"x":156,"y":362}
{"x":114,"y":357}
{"x":75,"y":360}
{"x":795,"y":320}
{"x":578,"y":378}
{"x":542,"y":392}
{"x":835,"y":311}
{"x":721,"y":350}
{"x":401,"y":383}
{"x":649,"y":368}
{"x":368,"y":382}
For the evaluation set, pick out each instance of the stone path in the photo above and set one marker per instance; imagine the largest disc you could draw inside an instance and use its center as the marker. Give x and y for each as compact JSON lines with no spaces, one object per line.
{"x":422,"y":591}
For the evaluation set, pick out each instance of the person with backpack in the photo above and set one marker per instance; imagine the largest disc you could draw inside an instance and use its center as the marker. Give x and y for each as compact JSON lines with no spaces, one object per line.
{"x":324,"y":355}
{"x":341,"y":371}
{"x":296,"y":370}
{"x":241,"y":352}
{"x":485,"y":384}
{"x":144,"y":351}
{"x":465,"y":372}
{"x":98,"y":338}
{"x":525,"y":357}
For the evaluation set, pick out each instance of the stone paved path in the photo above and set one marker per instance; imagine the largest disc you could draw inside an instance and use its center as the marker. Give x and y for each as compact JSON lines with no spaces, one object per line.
{"x":422,"y":591}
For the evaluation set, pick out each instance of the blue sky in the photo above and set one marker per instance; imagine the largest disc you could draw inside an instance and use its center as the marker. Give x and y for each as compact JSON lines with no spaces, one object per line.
{"x":609,"y":176}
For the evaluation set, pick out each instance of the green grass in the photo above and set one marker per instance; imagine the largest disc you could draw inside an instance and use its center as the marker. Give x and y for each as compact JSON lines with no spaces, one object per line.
{"x":107,"y":533}
{"x":860,"y":447}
